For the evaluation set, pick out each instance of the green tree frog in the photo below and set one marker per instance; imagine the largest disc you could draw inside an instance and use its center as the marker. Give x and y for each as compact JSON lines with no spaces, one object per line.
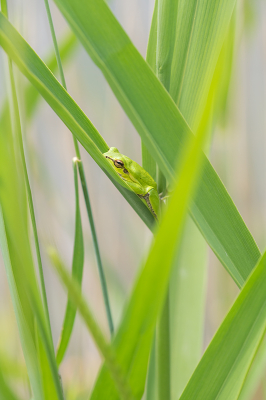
{"x":136,"y":177}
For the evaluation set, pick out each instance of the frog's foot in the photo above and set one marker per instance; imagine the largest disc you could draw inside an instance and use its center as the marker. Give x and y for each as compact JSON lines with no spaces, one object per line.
{"x":146,"y":197}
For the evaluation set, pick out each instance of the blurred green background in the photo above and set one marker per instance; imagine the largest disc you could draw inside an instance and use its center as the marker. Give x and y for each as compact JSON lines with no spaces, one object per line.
{"x":237,"y":153}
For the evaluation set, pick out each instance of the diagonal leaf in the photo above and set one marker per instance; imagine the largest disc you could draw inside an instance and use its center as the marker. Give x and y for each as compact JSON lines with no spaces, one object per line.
{"x":212,"y":209}
{"x":77,"y":272}
{"x":160,"y":124}
{"x":223,"y":368}
{"x":66,"y":108}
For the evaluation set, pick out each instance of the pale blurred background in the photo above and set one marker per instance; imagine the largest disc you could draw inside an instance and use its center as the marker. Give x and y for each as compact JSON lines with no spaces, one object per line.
{"x":237,"y":153}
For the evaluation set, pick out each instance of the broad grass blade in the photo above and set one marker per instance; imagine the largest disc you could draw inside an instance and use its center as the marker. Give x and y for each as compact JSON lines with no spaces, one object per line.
{"x":223,"y":368}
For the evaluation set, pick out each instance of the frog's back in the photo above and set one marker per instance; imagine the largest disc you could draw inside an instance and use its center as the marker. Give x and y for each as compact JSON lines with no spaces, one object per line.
{"x":140,"y":174}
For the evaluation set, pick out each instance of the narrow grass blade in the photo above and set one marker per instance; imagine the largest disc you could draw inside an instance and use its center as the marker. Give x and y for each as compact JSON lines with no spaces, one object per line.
{"x":160,"y":124}
{"x":135,"y":335}
{"x":96,"y":249}
{"x":223,"y":368}
{"x":18,"y":136}
{"x":105,"y":349}
{"x":212,"y":209}
{"x":77,"y":272}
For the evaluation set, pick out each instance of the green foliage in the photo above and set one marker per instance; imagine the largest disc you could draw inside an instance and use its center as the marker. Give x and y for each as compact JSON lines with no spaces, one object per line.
{"x":181,"y":89}
{"x":223,"y":368}
{"x":153,"y":113}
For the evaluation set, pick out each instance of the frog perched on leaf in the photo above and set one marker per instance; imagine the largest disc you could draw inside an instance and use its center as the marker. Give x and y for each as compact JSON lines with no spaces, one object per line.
{"x":136,"y":177}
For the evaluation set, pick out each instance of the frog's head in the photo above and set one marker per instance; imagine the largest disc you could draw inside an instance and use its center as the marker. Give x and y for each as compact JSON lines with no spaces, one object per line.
{"x":118,"y":161}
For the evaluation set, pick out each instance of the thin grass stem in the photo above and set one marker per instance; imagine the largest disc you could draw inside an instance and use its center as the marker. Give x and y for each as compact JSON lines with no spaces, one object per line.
{"x":96,"y":247}
{"x":83,"y":183}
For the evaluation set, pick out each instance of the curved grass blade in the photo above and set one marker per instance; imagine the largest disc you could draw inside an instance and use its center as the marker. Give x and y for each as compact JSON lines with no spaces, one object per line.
{"x":223,"y":368}
{"x":154,"y":114}
{"x":66,"y":108}
{"x":105,"y":349}
{"x":23,"y":284}
{"x":23,"y":318}
{"x":14,"y":242}
{"x":17,"y":256}
{"x":18,"y":136}
{"x":77,"y":272}
{"x":16,"y":249}
{"x":212,"y":209}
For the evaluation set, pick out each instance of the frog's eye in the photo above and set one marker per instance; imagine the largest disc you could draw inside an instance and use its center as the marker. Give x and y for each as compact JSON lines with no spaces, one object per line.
{"x":119,"y":164}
